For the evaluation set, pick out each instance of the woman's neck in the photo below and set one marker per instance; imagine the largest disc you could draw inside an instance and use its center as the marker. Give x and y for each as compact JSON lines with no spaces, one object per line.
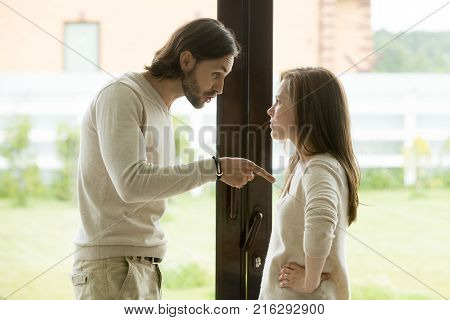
{"x":305,"y":153}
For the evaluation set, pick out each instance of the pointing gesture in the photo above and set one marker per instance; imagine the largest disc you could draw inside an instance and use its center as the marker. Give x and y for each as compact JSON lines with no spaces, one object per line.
{"x":238,"y":171}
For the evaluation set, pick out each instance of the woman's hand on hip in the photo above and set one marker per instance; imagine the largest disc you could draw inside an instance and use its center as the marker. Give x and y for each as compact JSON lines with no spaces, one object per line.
{"x":293,"y":276}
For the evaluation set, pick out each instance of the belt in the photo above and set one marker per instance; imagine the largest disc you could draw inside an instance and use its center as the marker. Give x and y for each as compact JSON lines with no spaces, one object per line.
{"x":152,"y":260}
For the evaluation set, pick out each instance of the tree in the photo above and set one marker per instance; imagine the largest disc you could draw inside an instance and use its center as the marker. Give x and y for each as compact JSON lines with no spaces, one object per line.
{"x":22,"y":177}
{"x":418,"y":51}
{"x":418,"y":156}
{"x":67,"y":147}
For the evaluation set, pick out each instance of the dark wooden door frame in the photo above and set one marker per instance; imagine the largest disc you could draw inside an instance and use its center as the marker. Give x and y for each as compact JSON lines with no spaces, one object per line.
{"x":241,"y":115}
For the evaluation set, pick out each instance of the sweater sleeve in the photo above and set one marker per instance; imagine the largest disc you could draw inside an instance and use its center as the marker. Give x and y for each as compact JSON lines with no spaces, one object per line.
{"x":118,"y":113}
{"x":320,"y":182}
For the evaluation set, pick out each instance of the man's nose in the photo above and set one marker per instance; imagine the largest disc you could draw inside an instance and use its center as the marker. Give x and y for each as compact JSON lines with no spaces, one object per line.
{"x":218,"y":87}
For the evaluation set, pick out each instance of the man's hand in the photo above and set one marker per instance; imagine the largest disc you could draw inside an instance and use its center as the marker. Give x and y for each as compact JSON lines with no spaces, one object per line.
{"x":237,"y":172}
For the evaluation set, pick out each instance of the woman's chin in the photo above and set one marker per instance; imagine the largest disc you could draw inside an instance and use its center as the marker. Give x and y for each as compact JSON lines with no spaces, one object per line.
{"x":276,"y":136}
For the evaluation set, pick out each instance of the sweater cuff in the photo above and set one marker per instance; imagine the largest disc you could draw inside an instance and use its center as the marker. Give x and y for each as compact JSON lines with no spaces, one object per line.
{"x":207,"y":169}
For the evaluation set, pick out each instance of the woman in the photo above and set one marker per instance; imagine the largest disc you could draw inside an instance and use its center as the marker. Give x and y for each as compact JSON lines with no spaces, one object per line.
{"x":306,"y":258}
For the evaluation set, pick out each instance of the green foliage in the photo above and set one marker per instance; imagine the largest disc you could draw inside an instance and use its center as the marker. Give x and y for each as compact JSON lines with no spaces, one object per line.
{"x":377,"y":292}
{"x":22,"y":178}
{"x":185,"y":275}
{"x":446,"y":178}
{"x":435,"y":179}
{"x":67,"y":146}
{"x":181,"y":128}
{"x":381,"y":178}
{"x":444,"y":173}
{"x":417,"y":51}
{"x":418,"y":155}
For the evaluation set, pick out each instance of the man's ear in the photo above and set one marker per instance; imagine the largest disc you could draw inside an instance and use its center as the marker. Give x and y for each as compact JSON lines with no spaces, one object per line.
{"x":187,"y":61}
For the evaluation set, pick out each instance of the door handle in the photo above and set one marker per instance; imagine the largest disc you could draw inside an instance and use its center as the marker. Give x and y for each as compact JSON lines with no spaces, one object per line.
{"x":255,"y":223}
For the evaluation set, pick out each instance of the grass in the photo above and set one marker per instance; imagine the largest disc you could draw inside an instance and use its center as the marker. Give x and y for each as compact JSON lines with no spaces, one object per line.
{"x":412,"y":232}
{"x":33,"y":239}
{"x":409,"y":230}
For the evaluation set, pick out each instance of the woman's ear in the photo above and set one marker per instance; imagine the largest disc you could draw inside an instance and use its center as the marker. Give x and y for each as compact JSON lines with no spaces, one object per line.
{"x":187,"y":61}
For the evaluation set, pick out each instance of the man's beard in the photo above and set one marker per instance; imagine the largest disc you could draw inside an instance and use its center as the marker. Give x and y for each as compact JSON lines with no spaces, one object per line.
{"x":191,"y":90}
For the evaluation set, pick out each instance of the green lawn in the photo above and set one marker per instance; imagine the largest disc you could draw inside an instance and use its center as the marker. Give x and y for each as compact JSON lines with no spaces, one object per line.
{"x":412,"y":231}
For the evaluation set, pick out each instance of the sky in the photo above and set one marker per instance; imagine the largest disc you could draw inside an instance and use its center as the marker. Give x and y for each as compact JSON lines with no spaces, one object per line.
{"x":399,"y":15}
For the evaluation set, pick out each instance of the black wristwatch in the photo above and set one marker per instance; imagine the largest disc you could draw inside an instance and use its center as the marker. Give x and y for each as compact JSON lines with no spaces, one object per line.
{"x":219,"y":171}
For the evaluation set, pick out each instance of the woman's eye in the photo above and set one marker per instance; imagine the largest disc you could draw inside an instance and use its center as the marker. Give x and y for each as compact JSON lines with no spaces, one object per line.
{"x":215,"y":75}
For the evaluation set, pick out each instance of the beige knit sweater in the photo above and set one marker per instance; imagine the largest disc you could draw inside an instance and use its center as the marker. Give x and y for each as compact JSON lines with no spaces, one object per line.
{"x":311,"y":219}
{"x":126,"y":171}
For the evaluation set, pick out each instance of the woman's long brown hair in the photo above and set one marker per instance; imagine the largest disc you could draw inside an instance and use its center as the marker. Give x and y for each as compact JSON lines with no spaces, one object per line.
{"x":323,"y":124}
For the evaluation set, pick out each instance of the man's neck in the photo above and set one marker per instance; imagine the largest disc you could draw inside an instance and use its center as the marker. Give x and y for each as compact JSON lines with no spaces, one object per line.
{"x":168,"y":89}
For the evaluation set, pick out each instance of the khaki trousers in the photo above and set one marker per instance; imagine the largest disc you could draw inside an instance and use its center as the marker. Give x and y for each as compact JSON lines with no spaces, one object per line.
{"x":116,"y":278}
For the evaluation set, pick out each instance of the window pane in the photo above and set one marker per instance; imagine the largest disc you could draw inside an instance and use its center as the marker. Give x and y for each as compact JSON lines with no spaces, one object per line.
{"x":36,"y":90}
{"x":83,"y":39}
{"x":398,"y":98}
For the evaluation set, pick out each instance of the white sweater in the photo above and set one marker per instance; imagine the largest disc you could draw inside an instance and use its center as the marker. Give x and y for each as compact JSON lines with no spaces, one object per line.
{"x":126,"y":171}
{"x":311,"y":219}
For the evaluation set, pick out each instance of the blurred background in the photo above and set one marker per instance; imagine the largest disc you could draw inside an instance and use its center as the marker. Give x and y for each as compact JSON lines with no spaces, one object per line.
{"x":398,"y":90}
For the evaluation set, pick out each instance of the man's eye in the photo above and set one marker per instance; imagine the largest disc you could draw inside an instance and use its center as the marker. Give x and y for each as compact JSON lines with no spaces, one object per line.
{"x":216,"y":75}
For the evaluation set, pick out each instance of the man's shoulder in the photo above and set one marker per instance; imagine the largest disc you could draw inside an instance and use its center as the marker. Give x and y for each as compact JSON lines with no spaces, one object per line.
{"x":116,"y":89}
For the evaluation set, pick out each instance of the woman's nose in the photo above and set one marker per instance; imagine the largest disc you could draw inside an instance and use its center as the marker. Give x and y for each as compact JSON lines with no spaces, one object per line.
{"x":269,"y":111}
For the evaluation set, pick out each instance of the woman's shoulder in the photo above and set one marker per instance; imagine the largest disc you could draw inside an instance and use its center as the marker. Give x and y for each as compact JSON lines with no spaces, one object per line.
{"x":323,"y":159}
{"x":324,"y":164}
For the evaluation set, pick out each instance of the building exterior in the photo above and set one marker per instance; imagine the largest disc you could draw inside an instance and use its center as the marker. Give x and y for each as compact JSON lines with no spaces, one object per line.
{"x":52,"y":84}
{"x":335,"y":34}
{"x":119,"y":37}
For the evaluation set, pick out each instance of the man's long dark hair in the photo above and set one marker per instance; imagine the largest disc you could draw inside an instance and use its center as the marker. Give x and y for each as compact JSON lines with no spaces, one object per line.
{"x":206,"y":39}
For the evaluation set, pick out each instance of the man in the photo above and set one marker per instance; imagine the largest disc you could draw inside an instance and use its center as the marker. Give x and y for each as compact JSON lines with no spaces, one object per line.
{"x":126,"y":167}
